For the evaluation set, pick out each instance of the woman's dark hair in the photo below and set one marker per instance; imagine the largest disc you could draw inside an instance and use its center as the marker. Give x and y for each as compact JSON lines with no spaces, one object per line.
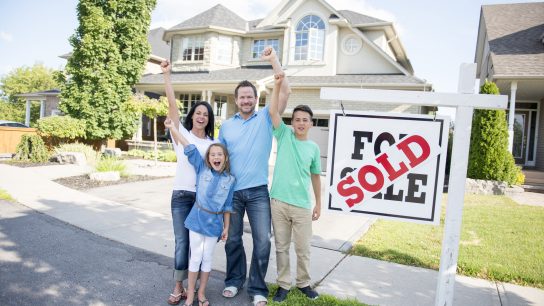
{"x":188,"y":122}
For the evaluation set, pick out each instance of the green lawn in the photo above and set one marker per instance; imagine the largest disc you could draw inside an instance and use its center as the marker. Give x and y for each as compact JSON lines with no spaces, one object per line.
{"x":500,"y":240}
{"x":296,"y":298}
{"x":5,"y":196}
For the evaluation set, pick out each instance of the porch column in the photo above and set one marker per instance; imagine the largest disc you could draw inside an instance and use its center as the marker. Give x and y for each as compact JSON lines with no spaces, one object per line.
{"x":203,"y":95}
{"x":260,"y":88}
{"x":511,"y":114}
{"x":209,"y":96}
{"x":42,"y":108}
{"x":27,"y":115}
{"x":137,"y":136}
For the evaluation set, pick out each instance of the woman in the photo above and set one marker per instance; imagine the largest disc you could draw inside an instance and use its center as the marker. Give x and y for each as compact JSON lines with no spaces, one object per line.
{"x":198,"y":127}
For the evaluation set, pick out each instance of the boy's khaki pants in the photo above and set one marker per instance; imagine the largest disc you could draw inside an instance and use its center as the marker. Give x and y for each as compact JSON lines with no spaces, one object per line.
{"x":286,"y":220}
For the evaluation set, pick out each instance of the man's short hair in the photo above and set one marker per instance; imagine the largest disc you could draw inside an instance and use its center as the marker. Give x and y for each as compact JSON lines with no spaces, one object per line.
{"x":245,"y":83}
{"x":303,"y":108}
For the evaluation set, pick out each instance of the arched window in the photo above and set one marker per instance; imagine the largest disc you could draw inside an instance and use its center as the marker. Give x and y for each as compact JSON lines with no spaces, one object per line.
{"x":310,"y":38}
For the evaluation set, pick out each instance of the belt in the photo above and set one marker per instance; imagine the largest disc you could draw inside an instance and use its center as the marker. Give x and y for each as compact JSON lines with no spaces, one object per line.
{"x":209,"y":211}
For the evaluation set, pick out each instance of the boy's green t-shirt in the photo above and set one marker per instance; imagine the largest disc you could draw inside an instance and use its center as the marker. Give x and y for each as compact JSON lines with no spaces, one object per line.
{"x":295,"y":162}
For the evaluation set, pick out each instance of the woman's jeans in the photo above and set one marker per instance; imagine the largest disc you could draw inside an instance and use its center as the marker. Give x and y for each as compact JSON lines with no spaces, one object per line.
{"x":181,"y":204}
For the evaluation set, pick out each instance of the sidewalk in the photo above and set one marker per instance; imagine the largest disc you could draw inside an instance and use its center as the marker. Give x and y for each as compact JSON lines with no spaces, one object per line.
{"x":138,"y":214}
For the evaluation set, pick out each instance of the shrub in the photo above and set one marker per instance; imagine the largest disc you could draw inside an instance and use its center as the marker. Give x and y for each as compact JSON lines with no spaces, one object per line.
{"x":111,"y":164}
{"x":169,"y":156}
{"x":61,"y":128}
{"x":489,"y":158}
{"x":91,"y":155}
{"x":32,"y":148}
{"x":136,"y":153}
{"x":162,"y":155}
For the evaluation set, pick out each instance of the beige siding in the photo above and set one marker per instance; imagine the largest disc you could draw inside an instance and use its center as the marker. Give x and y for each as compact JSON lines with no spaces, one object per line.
{"x":51,"y":103}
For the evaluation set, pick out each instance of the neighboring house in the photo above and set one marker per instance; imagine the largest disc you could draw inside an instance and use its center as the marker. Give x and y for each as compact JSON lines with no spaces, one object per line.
{"x":510,"y":52}
{"x":318,"y":46}
{"x":49,"y":103}
{"x":49,"y":99}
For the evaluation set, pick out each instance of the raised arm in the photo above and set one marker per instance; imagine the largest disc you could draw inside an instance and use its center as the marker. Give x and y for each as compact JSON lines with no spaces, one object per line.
{"x":180,"y":139}
{"x":273,"y":107}
{"x":173,"y":112}
{"x":270,"y":55}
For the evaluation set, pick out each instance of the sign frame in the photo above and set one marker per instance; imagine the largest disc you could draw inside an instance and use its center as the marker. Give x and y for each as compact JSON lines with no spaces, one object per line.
{"x":465,"y":101}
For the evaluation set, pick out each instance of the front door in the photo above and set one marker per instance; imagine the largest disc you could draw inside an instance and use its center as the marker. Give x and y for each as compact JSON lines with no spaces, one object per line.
{"x":521,"y":124}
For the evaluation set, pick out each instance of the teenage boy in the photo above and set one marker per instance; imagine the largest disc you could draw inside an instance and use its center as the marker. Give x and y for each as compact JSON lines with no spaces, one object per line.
{"x":297,"y":164}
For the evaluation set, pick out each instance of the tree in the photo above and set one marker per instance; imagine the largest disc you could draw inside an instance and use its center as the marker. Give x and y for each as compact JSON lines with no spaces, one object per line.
{"x":110,"y":50}
{"x":24,"y":80}
{"x":489,"y":158}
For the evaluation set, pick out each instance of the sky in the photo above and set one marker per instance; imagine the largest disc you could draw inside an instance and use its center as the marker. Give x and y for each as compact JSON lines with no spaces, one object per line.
{"x":438,"y":35}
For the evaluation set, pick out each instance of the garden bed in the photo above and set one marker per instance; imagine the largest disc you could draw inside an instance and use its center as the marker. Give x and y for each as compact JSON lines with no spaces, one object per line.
{"x":83,"y":182}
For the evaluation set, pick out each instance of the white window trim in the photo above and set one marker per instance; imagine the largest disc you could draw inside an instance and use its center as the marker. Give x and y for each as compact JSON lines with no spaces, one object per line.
{"x":294,"y":41}
{"x":192,"y":40}
{"x":258,"y":58}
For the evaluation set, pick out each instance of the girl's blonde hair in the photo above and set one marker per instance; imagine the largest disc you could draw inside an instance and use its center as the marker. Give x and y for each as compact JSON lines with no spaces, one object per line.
{"x":226,"y":165}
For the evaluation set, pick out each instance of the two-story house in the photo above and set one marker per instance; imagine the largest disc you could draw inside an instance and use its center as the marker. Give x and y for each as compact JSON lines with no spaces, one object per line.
{"x":318,"y":45}
{"x":510,"y":52}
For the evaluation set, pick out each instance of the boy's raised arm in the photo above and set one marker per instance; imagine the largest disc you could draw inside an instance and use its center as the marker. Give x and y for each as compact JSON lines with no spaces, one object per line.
{"x":173,"y":112}
{"x":273,"y":107}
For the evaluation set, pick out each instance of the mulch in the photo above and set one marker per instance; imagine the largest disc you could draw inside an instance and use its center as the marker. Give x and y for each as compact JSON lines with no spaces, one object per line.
{"x":83,"y":182}
{"x":27,"y":164}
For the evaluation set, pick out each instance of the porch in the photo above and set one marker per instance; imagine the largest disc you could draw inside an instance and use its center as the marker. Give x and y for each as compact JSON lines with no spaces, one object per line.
{"x":534,"y":180}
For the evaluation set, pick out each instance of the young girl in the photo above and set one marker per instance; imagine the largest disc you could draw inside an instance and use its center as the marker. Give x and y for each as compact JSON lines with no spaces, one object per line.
{"x":210,"y":216}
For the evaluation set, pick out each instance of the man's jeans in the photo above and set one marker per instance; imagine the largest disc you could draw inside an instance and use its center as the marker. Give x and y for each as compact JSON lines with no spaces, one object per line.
{"x":256,"y":202}
{"x":181,"y":204}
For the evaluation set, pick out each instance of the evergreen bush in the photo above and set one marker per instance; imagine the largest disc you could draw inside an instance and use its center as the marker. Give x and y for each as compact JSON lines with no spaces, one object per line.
{"x":32,"y":148}
{"x":489,"y":158}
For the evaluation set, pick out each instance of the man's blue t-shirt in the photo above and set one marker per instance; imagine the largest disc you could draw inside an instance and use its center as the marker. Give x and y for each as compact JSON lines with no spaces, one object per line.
{"x":249,"y":143}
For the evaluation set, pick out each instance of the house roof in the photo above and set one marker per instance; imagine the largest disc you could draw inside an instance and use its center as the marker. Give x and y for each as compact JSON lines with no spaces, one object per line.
{"x":218,"y":16}
{"x":38,"y":94}
{"x":158,"y":46}
{"x":357,"y":18}
{"x":253,"y":74}
{"x":514,"y":33}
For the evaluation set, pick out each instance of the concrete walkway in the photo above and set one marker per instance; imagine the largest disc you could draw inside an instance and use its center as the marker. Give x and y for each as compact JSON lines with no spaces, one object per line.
{"x":138,"y":214}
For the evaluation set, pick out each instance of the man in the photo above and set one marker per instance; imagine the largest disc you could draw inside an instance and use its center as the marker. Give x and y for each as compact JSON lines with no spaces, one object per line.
{"x":248,"y":137}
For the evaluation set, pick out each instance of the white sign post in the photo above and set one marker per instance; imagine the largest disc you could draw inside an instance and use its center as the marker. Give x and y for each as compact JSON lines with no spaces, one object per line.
{"x":465,"y":102}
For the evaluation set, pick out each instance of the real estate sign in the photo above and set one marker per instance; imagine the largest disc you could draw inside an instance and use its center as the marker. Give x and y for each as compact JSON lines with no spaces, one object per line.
{"x":387,"y":165}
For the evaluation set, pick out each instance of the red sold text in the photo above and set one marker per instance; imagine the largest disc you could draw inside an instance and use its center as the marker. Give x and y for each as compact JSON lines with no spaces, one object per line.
{"x":400,"y":158}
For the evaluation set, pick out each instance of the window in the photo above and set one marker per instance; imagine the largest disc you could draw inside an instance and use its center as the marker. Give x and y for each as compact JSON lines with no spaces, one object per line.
{"x":220,"y":106}
{"x":224,"y":50}
{"x":351,"y":45}
{"x":260,"y":44}
{"x":310,"y":38}
{"x":187,"y":101}
{"x":262,"y":101}
{"x":192,"y":48}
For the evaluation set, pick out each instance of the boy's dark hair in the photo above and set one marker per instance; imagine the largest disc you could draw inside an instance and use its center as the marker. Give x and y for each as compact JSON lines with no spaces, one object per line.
{"x":303,"y":108}
{"x":245,"y":83}
{"x":209,"y":128}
